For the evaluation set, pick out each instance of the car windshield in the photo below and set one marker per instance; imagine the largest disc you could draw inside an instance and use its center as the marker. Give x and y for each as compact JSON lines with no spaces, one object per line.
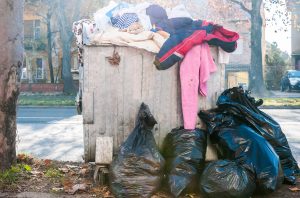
{"x":294,"y":74}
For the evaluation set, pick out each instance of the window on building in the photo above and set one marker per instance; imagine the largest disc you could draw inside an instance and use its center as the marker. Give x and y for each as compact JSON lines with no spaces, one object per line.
{"x":75,"y":62}
{"x":39,"y":69}
{"x":24,"y":70}
{"x":32,"y":29}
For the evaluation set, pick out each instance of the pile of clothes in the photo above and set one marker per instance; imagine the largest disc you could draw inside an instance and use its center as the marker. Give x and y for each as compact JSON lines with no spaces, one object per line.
{"x":172,"y":34}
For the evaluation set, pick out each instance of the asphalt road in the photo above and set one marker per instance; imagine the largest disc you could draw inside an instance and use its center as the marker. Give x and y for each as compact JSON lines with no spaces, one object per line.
{"x":57,"y":133}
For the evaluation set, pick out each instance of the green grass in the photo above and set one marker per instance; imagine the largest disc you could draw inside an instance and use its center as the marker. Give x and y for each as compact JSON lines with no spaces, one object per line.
{"x":292,"y":102}
{"x":47,"y":100}
{"x":53,"y":173}
{"x":11,"y":175}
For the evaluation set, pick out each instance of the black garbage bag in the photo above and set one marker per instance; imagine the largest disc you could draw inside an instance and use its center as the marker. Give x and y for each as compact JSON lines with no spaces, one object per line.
{"x":184,"y":151}
{"x":238,"y":142}
{"x":137,"y":169}
{"x":243,"y":107}
{"x":226,"y":179}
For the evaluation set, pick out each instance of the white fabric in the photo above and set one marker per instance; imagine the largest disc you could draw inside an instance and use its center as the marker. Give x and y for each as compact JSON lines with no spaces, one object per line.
{"x":146,"y":40}
{"x":88,"y":29}
{"x":223,"y":57}
{"x":83,"y":30}
{"x":178,"y":11}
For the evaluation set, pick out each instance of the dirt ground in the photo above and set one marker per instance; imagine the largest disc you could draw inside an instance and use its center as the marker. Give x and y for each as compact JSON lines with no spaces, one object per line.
{"x":64,"y":179}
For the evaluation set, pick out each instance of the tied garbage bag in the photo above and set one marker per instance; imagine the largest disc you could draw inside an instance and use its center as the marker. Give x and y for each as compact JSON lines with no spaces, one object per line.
{"x":184,"y":151}
{"x":238,"y":142}
{"x":137,"y":169}
{"x":243,"y":107}
{"x":226,"y":179}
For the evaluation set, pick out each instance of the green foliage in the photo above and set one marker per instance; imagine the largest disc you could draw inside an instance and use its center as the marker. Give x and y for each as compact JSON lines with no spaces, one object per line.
{"x":277,"y":62}
{"x":276,"y":57}
{"x":53,"y":173}
{"x":292,"y":102}
{"x":47,"y":100}
{"x":11,"y":175}
{"x":27,"y":167}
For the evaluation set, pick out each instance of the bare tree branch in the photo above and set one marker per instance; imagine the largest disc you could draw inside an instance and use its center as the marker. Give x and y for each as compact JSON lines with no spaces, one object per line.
{"x":243,"y":7}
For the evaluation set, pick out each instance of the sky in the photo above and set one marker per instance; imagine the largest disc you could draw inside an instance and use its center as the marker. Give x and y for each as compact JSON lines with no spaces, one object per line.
{"x":282,"y":38}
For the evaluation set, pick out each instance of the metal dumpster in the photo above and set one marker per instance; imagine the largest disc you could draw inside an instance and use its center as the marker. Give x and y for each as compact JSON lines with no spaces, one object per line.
{"x":112,"y":94}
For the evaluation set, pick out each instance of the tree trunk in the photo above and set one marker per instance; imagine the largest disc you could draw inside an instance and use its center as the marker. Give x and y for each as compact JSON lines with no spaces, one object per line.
{"x":49,"y":41}
{"x":11,"y":57}
{"x":256,"y":71}
{"x":66,"y":69}
{"x":66,"y":36}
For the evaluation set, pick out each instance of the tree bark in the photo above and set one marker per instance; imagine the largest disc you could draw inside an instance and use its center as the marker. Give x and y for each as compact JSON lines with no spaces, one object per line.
{"x":49,"y":42}
{"x":257,"y":84}
{"x":11,"y":58}
{"x":66,"y":36}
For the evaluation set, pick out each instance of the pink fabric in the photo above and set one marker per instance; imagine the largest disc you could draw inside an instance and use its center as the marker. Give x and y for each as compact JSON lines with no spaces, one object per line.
{"x":195,"y":70}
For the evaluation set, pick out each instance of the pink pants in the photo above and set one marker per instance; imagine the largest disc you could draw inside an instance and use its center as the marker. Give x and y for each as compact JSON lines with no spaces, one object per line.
{"x":195,"y":70}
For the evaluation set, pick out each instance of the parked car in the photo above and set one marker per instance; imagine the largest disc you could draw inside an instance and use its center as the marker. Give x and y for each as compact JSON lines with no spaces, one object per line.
{"x":290,"y":81}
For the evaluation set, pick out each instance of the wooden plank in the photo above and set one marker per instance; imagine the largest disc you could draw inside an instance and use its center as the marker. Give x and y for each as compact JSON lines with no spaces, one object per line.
{"x":88,"y":108}
{"x":85,"y":89}
{"x":119,"y":80}
{"x":132,"y":86}
{"x":119,"y":91}
{"x":104,"y":150}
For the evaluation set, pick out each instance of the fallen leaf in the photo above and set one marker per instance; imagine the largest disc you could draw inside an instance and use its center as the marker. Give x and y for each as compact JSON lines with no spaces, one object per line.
{"x":35,"y":173}
{"x":86,"y":166}
{"x":159,"y":195}
{"x":64,"y":170}
{"x":107,"y":195}
{"x":294,"y":189}
{"x":190,"y":195}
{"x":76,"y":188}
{"x":83,"y":171}
{"x":27,"y":167}
{"x":72,"y":166}
{"x":71,"y":173}
{"x":57,"y":189}
{"x":21,"y":157}
{"x":47,"y":162}
{"x":68,"y":184}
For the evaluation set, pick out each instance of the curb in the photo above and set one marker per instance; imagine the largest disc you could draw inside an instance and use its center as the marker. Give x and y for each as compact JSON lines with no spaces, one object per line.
{"x":279,"y":107}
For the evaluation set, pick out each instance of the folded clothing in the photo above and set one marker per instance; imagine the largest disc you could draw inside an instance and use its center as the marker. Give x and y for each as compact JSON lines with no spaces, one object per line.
{"x":146,"y":40}
{"x":124,"y":21}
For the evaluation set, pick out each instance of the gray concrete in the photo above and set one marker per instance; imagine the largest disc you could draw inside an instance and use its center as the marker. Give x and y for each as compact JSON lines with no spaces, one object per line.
{"x":52,"y":133}
{"x":289,"y":120}
{"x":57,"y":133}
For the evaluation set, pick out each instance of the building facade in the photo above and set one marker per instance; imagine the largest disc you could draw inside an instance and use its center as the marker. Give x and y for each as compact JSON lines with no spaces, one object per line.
{"x":35,"y":67}
{"x":294,"y":8}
